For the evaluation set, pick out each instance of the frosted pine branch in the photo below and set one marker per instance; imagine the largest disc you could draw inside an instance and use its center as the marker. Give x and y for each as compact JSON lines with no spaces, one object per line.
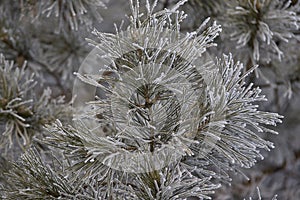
{"x":22,"y":113}
{"x":69,"y":14}
{"x":260,"y":25}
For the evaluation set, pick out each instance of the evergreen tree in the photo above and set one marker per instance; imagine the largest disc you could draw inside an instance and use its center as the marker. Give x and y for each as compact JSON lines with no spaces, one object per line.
{"x":165,"y":105}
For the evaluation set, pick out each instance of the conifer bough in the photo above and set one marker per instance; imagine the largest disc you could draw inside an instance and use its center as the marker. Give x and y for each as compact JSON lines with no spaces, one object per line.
{"x":159,"y":95}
